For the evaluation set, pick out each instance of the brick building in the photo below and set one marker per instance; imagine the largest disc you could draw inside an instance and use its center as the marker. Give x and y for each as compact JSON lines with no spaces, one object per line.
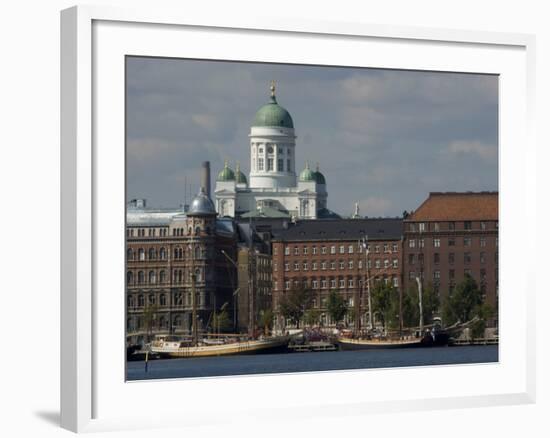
{"x":451,"y":235}
{"x":328,"y":255}
{"x":170,"y":252}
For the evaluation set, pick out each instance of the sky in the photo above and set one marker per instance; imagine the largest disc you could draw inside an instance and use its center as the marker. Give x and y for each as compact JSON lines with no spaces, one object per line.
{"x":382,"y":138}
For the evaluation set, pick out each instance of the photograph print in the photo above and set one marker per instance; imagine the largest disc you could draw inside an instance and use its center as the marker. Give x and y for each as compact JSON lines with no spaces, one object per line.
{"x":298,"y":218}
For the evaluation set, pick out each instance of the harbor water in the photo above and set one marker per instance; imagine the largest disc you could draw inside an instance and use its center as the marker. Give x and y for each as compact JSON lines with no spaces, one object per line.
{"x":311,"y":361}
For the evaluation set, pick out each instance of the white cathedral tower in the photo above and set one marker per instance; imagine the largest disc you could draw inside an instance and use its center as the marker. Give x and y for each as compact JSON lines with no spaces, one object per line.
{"x":273,"y":188}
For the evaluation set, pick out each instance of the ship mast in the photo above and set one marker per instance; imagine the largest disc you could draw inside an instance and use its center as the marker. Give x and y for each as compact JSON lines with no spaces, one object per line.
{"x":194,"y":297}
{"x":366,"y":247}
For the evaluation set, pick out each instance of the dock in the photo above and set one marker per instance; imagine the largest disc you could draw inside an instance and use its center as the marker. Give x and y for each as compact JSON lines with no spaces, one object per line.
{"x":313,"y":346}
{"x":475,"y":341}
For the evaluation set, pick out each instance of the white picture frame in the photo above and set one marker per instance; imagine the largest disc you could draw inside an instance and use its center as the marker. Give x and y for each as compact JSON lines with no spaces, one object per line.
{"x":94,"y":396}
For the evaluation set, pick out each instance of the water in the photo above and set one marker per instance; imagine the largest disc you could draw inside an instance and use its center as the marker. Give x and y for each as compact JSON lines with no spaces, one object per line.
{"x":313,"y":361}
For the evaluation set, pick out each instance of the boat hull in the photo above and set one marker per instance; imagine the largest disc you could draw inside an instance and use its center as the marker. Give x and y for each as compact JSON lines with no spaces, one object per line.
{"x":235,"y":348}
{"x":371,"y":344}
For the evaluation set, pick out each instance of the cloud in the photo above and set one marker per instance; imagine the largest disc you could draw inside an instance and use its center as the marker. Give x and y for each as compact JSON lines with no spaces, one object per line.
{"x":488,"y":152}
{"x":374,"y":206}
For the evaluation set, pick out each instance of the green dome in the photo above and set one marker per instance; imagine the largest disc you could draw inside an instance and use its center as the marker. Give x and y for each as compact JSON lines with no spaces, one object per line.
{"x":226,"y":174}
{"x":273,"y":114}
{"x":307,"y":174}
{"x":240,"y":178}
{"x":319,"y":177}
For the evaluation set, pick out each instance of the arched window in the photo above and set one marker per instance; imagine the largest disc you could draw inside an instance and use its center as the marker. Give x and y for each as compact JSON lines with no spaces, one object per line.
{"x":129,"y":277}
{"x":141,"y":277}
{"x":141,"y":301}
{"x":152,"y":277}
{"x":129,"y":324}
{"x":141,"y":254}
{"x":163,"y":300}
{"x":130,"y":301}
{"x":152,"y":299}
{"x":177,"y":321}
{"x":162,"y":277}
{"x":175,"y":253}
{"x":162,"y":253}
{"x":180,"y":276}
{"x":152,"y":254}
{"x":162,"y":322}
{"x":197,"y":252}
{"x":139,"y":322}
{"x":197,"y":230}
{"x":129,"y":254}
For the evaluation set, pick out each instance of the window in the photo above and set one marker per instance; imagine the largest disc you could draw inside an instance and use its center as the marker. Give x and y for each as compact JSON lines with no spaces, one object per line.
{"x":270,"y":164}
{"x":436,"y":258}
{"x":141,"y":301}
{"x":394,"y":247}
{"x":333,"y":283}
{"x":451,"y":274}
{"x":377,"y":263}
{"x":412,"y":228}
{"x":288,"y":168}
{"x":421,"y":227}
{"x":395,"y":282}
{"x":141,"y":277}
{"x":333,"y":265}
{"x":342,"y":283}
{"x":314,"y":266}
{"x":342,"y":249}
{"x":323,"y":266}
{"x":482,"y":257}
{"x":342,"y":265}
{"x":333,"y":250}
{"x":152,"y":254}
{"x":467,"y":257}
{"x":275,"y":250}
{"x":411,"y":259}
{"x":437,"y":243}
{"x":386,"y":247}
{"x":287,"y":266}
{"x":305,"y":266}
{"x":483,"y":225}
{"x":421,"y":243}
{"x":129,"y":254}
{"x":129,"y":277}
{"x":412,"y":243}
{"x":287,"y":284}
{"x":162,"y":253}
{"x":350,"y":264}
{"x":451,"y":258}
{"x":350,"y":283}
{"x":452,"y":226}
{"x":296,"y":266}
{"x":467,"y":225}
{"x":280,"y":165}
{"x":141,"y":254}
{"x":296,"y":250}
{"x":323,"y":250}
{"x":467,"y":241}
{"x":482,"y":241}
{"x":360,"y":264}
{"x":376,"y":249}
{"x":304,"y":250}
{"x":314,"y":250}
{"x":350,"y":249}
{"x":287,"y":250}
{"x":468,"y":272}
{"x":315,"y":284}
{"x":451,"y":241}
{"x":386,"y":263}
{"x":323,"y":284}
{"x":483,"y":275}
{"x":436,"y":226}
{"x":260,"y":164}
{"x":395,"y":263}
{"x":437,"y":275}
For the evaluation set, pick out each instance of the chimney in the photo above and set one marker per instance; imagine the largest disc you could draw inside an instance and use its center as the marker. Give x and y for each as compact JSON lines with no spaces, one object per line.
{"x":205,"y":177}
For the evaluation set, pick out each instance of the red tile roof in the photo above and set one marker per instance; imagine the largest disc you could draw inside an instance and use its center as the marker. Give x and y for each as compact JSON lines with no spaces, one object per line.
{"x":456,"y":206}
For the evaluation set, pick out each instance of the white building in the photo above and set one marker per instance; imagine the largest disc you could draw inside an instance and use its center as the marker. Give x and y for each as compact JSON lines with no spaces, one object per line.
{"x":273,"y":189}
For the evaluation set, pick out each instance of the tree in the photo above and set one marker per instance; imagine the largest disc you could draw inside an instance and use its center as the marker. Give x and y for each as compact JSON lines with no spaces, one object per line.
{"x":220,"y":320}
{"x":149,"y":317}
{"x":295,"y":302}
{"x":266,"y":320}
{"x":463,"y":304}
{"x":336,"y":306}
{"x":385,"y":302}
{"x":311,"y":317}
{"x":430,"y":305}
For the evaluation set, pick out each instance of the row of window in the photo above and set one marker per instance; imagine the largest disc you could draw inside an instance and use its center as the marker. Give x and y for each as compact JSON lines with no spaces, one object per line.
{"x":153,"y":254}
{"x":270,"y":149}
{"x":451,"y":241}
{"x":338,"y":249}
{"x":450,"y":226}
{"x":342,"y":265}
{"x":149,"y":232}
{"x":335,"y":283}
{"x":452,"y":275}
{"x":179,"y":299}
{"x":271,"y":165}
{"x":151,"y":278}
{"x":414,"y":258}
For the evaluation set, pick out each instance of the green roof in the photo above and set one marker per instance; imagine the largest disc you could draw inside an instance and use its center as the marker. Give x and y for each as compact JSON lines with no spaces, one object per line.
{"x":226,"y":174}
{"x":307,"y":174}
{"x":273,"y":114}
{"x":319,"y":177}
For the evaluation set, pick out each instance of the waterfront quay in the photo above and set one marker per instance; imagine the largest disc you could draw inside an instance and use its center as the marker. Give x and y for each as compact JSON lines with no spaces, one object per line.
{"x":310,"y":362}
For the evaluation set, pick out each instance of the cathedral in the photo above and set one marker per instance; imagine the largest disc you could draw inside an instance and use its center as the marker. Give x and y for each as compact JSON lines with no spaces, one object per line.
{"x":273,"y":189}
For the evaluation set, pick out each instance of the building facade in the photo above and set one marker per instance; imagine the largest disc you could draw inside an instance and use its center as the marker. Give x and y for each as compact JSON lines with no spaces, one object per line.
{"x":327,"y":255}
{"x":452,"y":235}
{"x":273,"y":184}
{"x":171,"y":254}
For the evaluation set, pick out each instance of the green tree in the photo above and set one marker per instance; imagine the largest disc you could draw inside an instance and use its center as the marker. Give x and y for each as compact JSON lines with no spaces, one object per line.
{"x":149,"y":318}
{"x":336,"y":306}
{"x":295,"y":302}
{"x":311,"y":317}
{"x":463,"y":304}
{"x":220,"y":320}
{"x":266,"y":320}
{"x":385,"y":302}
